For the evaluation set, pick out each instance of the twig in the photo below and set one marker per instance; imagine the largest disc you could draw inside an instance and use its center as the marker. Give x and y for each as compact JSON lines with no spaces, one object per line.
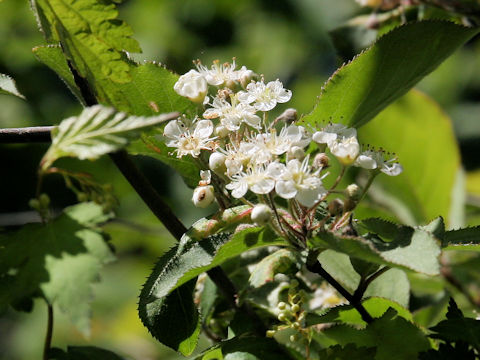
{"x":316,"y":267}
{"x":38,"y":134}
{"x":362,"y":287}
{"x":48,"y":336}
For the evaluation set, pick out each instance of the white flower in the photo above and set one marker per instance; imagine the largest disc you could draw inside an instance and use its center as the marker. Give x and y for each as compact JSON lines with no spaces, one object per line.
{"x":258,"y":179}
{"x":371,"y":160}
{"x":192,"y":85}
{"x":261,"y":214}
{"x":297,"y":182}
{"x":332,"y":132}
{"x":236,"y":158}
{"x":189,"y":140}
{"x":244,"y":75}
{"x":345,"y":149}
{"x":219,"y":74}
{"x":265,"y":97}
{"x":233,"y":114}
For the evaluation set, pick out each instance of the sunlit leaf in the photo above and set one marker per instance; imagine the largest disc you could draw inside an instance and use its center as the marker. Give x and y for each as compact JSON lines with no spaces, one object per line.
{"x":8,"y":86}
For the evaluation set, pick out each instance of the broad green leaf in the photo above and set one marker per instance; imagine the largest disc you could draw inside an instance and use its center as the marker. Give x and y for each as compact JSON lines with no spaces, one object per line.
{"x":82,"y":353}
{"x":358,"y":91}
{"x":426,"y":184}
{"x":346,"y":314}
{"x":170,"y":285}
{"x":394,"y":337}
{"x":98,"y":130}
{"x":8,"y":87}
{"x":349,"y":351}
{"x":417,"y":250}
{"x":61,"y":259}
{"x":284,"y":261}
{"x":53,"y":57}
{"x":90,"y":34}
{"x":245,"y":348}
{"x":393,"y":284}
{"x":462,"y":239}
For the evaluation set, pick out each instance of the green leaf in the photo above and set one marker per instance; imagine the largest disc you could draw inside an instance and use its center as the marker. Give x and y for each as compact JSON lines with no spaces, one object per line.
{"x":284,"y":261}
{"x":167,"y":292}
{"x":82,"y":353}
{"x":462,"y":239}
{"x":53,"y":57}
{"x":8,"y":86}
{"x":244,"y":348}
{"x":90,"y":34}
{"x":358,"y":91}
{"x":349,"y":351}
{"x":61,"y":259}
{"x":416,"y":250}
{"x":394,"y":337}
{"x":457,"y":328}
{"x":98,"y":130}
{"x":449,"y":352}
{"x":415,"y":119}
{"x":346,"y":314}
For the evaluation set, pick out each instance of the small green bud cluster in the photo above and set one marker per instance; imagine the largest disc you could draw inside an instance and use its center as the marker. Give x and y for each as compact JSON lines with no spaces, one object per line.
{"x":41,"y":204}
{"x":292,"y":316}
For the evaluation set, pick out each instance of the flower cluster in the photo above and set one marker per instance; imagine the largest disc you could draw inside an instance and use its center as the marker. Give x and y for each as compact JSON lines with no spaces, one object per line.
{"x":248,"y":153}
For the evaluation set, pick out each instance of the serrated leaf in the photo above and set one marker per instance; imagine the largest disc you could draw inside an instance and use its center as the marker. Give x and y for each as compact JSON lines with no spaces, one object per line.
{"x":90,"y":33}
{"x":394,"y":337}
{"x":61,"y":259}
{"x":82,"y":353}
{"x":346,"y":314}
{"x":244,"y":348}
{"x":98,"y":130}
{"x":53,"y":57}
{"x":8,"y":86}
{"x":167,"y":284}
{"x":358,"y":91}
{"x":417,"y":250}
{"x":462,"y":239}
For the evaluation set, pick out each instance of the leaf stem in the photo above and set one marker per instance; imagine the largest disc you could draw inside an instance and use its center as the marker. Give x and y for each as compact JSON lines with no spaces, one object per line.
{"x":314,"y":266}
{"x":48,"y":336}
{"x":362,"y":287}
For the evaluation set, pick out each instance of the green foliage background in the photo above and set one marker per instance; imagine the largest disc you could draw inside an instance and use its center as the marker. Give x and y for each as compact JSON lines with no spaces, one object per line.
{"x":286,"y":39}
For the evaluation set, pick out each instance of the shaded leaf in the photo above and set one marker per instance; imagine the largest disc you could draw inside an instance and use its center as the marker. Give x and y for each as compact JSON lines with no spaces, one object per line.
{"x":62,"y":259}
{"x":449,"y":352}
{"x":358,"y":91}
{"x":347,"y":352}
{"x":82,"y":353}
{"x":394,"y":337}
{"x":98,"y":130}
{"x":8,"y":86}
{"x":462,"y":239}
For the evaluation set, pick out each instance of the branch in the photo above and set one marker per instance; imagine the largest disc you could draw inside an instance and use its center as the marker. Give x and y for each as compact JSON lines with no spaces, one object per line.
{"x":38,"y":134}
{"x":317,"y":268}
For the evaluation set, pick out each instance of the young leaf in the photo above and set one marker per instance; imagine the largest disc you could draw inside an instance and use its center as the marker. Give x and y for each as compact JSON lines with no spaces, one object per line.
{"x":167,"y":294}
{"x":53,"y":57}
{"x":90,"y":33}
{"x":387,"y":70}
{"x":416,"y":250}
{"x":8,"y":87}
{"x":98,"y":130}
{"x":394,"y":337}
{"x":61,"y":259}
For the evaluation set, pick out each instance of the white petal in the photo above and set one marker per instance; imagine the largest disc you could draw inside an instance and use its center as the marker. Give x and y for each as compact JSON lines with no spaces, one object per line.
{"x":263,"y":186}
{"x":172,"y":129}
{"x":286,"y":189}
{"x":203,"y":129}
{"x":366,"y":162}
{"x":323,"y":137}
{"x":392,"y":170}
{"x":309,"y":196}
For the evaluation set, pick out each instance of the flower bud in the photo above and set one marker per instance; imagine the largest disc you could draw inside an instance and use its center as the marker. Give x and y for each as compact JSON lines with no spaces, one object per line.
{"x":296,"y":152}
{"x":270,"y":333}
{"x":321,"y":160}
{"x":296,"y":325}
{"x":353,"y":191}
{"x":192,"y":85}
{"x":281,"y":305}
{"x":34,"y":204}
{"x":295,"y":308}
{"x":261,"y":214}
{"x":335,"y":207}
{"x":350,"y":204}
{"x":216,"y":162}
{"x":288,"y":116}
{"x":282,"y":317}
{"x":203,"y":196}
{"x":245,"y":76}
{"x":293,"y":338}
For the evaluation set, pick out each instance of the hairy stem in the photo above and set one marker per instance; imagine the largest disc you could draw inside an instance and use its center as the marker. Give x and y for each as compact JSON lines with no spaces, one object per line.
{"x":314,"y":266}
{"x":48,"y":336}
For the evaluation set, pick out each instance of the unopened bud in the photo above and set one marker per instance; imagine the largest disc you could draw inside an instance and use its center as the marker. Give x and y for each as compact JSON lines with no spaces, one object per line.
{"x":246,"y":76}
{"x":350,"y":204}
{"x":216,"y":162}
{"x":34,"y":204}
{"x":288,"y":116}
{"x":44,"y":200}
{"x":270,"y":333}
{"x":261,"y":214}
{"x":203,"y":196}
{"x":296,"y":152}
{"x":282,"y":317}
{"x":321,"y":160}
{"x":281,"y":305}
{"x":221,"y":131}
{"x":353,"y":191}
{"x":293,"y":338}
{"x":335,"y":207}
{"x":295,"y":308}
{"x":296,"y":325}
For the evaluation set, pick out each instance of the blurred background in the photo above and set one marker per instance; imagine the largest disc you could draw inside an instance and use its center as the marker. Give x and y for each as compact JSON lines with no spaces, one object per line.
{"x":293,"y":40}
